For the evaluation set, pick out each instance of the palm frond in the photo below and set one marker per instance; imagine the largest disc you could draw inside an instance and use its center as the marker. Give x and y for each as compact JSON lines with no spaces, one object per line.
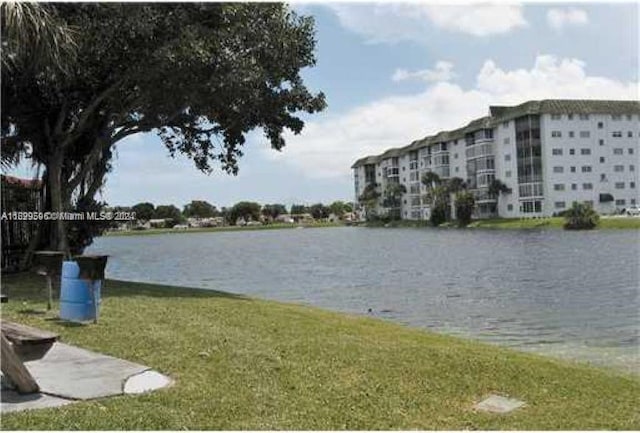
{"x":34,"y":38}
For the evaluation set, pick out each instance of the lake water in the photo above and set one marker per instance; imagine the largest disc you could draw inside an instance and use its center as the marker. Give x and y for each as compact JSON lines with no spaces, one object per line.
{"x":560,"y":293}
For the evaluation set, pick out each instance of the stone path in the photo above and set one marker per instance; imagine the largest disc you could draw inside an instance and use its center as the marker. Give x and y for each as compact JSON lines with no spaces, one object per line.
{"x":67,"y":374}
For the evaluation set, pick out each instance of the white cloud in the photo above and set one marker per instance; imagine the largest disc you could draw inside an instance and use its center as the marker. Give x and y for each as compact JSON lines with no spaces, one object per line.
{"x":442,"y":72}
{"x":477,"y":20}
{"x":559,"y":18}
{"x":329,"y":144}
{"x":393,"y":22}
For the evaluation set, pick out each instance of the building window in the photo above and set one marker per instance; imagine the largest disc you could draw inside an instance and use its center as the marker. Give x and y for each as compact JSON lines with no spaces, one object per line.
{"x":587,"y":186}
{"x":507,"y":173}
{"x":618,"y":168}
{"x":616,"y":117}
{"x":631,"y":151}
{"x":455,"y":156}
{"x":584,"y":117}
{"x":602,"y":159}
{"x":632,"y":185}
{"x":570,"y":116}
{"x":571,"y":134}
{"x":628,"y":116}
{"x":558,"y":169}
{"x":630,"y":134}
{"x":506,"y":140}
{"x":572,"y":151}
{"x":601,"y":142}
{"x":556,"y":151}
{"x":558,"y":187}
{"x":574,"y":186}
{"x":559,"y":205}
{"x":632,"y":167}
{"x":600,"y":125}
{"x":620,"y":202}
{"x":585,"y":134}
{"x":603,"y":177}
{"x":505,"y":124}
{"x":457,"y":169}
{"x":510,"y":207}
{"x":586,"y":169}
{"x":632,"y":201}
{"x":585,"y":151}
{"x":556,"y":116}
{"x":616,"y":134}
{"x":618,"y":151}
{"x":556,"y":134}
{"x":573,"y":169}
{"x":619,"y":185}
{"x":507,"y":157}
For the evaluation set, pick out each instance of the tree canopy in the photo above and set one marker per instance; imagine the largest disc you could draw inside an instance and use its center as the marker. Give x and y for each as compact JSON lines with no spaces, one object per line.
{"x":200,"y":75}
{"x":247,"y":210}
{"x":200,"y":209}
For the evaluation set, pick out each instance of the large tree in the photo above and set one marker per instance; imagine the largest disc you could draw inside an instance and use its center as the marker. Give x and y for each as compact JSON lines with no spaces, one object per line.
{"x":200,"y":75}
{"x":247,"y":210}
{"x":200,"y":209}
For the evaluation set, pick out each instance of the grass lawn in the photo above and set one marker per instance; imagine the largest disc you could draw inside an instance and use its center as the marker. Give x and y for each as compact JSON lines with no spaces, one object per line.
{"x":242,"y":363}
{"x":219,"y":229}
{"x":554,"y":222}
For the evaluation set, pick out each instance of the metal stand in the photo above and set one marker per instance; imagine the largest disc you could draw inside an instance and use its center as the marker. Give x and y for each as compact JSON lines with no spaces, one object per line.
{"x":49,"y":264}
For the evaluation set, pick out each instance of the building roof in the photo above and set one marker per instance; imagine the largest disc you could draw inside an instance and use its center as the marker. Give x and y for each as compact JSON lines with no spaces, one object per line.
{"x":372,"y":159}
{"x":501,"y":113}
{"x":25,"y":183}
{"x":566,"y":106}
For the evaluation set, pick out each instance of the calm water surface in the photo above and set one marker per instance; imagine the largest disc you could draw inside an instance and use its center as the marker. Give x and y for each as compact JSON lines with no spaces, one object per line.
{"x":566,"y":294}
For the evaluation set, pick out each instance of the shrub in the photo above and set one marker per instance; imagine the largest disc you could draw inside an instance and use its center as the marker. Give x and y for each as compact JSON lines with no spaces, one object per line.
{"x":580,"y":217}
{"x":438,"y":213}
{"x":464,"y":207}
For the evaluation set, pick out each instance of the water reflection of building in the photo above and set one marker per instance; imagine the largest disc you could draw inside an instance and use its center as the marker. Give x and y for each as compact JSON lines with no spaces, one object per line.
{"x":547,"y":153}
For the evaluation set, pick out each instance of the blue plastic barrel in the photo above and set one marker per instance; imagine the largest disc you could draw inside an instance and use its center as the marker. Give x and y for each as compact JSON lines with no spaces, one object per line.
{"x":76,"y":297}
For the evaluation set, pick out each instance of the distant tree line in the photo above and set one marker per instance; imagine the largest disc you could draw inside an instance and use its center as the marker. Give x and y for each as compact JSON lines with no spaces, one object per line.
{"x":244,"y":210}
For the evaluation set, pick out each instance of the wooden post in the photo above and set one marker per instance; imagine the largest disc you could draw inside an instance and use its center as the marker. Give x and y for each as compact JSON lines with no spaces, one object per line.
{"x":50,"y":288}
{"x":14,"y":369}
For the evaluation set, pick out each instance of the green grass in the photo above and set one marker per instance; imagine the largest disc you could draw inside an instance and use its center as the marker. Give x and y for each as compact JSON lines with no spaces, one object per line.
{"x":554,"y":223}
{"x":220,"y":229}
{"x":242,"y":363}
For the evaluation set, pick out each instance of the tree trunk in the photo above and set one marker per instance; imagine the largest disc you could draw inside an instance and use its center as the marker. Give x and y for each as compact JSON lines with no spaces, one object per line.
{"x":59,"y":240}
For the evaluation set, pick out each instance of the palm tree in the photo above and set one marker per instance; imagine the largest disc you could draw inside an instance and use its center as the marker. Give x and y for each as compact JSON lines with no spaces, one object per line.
{"x":430,"y":180}
{"x":393,"y":196}
{"x":581,"y":217}
{"x":369,"y":198}
{"x":496,"y":189}
{"x":34,"y":39}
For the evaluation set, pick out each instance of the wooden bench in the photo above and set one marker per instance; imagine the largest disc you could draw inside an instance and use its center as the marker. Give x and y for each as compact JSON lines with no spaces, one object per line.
{"x":22,"y":343}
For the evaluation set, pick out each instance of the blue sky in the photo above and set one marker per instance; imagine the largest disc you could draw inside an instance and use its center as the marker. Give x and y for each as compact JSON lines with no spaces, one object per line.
{"x":395,"y":72}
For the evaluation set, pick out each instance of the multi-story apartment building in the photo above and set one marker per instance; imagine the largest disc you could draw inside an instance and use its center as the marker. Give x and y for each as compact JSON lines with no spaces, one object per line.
{"x":548,"y":153}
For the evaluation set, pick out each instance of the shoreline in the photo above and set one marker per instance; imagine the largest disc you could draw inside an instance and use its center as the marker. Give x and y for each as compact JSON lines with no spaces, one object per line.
{"x":282,"y":226}
{"x":245,"y":363}
{"x":554,"y":223}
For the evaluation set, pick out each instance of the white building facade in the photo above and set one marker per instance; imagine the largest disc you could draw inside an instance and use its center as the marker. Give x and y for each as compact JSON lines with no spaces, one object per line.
{"x":548,"y":153}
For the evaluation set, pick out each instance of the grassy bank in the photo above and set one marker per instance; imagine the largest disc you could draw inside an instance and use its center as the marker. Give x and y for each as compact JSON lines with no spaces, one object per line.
{"x":219,"y":229}
{"x":554,"y":223}
{"x":517,"y":223}
{"x":242,"y":363}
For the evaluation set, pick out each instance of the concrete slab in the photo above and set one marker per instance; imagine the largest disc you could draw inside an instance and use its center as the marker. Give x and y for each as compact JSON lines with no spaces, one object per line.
{"x":145,"y":382}
{"x":71,"y":372}
{"x":12,"y":401}
{"x":498,"y":404}
{"x":68,"y":373}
